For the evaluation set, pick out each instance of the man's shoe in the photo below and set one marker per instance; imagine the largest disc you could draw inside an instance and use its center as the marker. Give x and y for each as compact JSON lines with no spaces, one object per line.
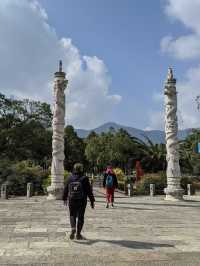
{"x":80,"y":237}
{"x":107,"y":206}
{"x":112,"y":205}
{"x":72,"y":235}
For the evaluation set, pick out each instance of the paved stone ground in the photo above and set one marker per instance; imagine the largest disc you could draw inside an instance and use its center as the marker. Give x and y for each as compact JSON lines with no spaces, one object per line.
{"x":138,"y":231}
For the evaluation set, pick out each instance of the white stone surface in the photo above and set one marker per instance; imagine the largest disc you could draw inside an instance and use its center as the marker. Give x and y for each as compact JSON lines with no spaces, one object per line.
{"x":58,"y":124}
{"x":173,"y":190}
{"x":142,"y":231}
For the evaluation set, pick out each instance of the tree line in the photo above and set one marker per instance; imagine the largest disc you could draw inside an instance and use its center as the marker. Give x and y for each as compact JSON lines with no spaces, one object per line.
{"x":26,"y":134}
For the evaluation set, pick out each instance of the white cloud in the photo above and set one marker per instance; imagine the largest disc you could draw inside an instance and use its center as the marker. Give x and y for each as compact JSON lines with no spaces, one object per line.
{"x":186,"y":12}
{"x":187,"y":92}
{"x":29,"y":52}
{"x":188,"y":115}
{"x":158,"y":97}
{"x":156,"y":120}
{"x":183,"y":47}
{"x":187,"y":46}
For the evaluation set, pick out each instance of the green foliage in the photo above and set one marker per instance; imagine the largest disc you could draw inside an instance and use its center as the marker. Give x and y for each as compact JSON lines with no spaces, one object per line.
{"x":160,"y":181}
{"x":17,"y":175}
{"x":152,"y":156}
{"x":121,"y":150}
{"x":143,"y":186}
{"x":13,"y":112}
{"x":23,"y":130}
{"x":189,"y":158}
{"x":120,"y":174}
{"x":122,"y":185}
{"x":74,"y":148}
{"x":115,"y":148}
{"x":195,"y":183}
{"x":47,"y":181}
{"x":25,"y":134}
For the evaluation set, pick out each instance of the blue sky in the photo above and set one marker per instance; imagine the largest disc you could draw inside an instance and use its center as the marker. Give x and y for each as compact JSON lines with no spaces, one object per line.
{"x":126,"y":36}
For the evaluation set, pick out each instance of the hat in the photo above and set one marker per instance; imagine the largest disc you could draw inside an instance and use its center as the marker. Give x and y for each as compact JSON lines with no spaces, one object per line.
{"x":109,"y":170}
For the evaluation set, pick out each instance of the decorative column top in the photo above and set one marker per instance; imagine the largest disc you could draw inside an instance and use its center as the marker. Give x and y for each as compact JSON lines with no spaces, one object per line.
{"x":170,"y":76}
{"x":60,"y":66}
{"x":60,"y":73}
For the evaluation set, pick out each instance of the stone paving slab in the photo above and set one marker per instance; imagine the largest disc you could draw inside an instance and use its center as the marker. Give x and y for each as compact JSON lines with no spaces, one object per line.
{"x":138,"y":231}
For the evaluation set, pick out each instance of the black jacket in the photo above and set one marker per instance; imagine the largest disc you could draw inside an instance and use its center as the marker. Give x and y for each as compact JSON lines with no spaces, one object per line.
{"x":115,"y":183}
{"x":86,"y":187}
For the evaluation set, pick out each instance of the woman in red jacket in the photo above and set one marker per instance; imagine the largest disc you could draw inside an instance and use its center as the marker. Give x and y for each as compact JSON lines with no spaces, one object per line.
{"x":110,"y":184}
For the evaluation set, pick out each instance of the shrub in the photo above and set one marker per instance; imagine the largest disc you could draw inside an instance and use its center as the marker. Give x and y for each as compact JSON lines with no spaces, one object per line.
{"x":195,"y":184}
{"x":143,"y":186}
{"x":47,"y":181}
{"x":121,"y":185}
{"x":160,"y":181}
{"x":17,"y":175}
{"x":120,"y":174}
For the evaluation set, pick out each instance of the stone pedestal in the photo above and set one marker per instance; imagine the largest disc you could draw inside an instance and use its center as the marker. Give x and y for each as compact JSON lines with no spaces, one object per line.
{"x":189,"y":192}
{"x":173,"y":191}
{"x":29,"y":192}
{"x":152,"y":190}
{"x":130,"y":189}
{"x":55,"y":191}
{"x":4,"y":191}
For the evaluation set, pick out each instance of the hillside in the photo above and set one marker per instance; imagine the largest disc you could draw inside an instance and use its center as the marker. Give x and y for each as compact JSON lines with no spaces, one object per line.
{"x":157,"y":136}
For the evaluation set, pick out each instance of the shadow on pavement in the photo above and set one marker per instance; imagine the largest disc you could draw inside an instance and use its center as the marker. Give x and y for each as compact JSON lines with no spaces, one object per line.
{"x":100,"y":194}
{"x":156,"y":204}
{"x":133,"y":208}
{"x":126,"y":243}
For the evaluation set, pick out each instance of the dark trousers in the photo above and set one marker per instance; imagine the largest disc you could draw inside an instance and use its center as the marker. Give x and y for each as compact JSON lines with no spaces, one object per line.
{"x":77,"y":212}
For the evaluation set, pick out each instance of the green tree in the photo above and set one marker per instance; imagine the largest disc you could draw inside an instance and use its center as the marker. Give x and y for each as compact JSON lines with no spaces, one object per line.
{"x":17,"y":175}
{"x":92,"y":150}
{"x":74,"y":148}
{"x":114,"y":148}
{"x":152,"y":155}
{"x":14,"y":112}
{"x":24,"y":130}
{"x":189,"y":157}
{"x":124,"y":148}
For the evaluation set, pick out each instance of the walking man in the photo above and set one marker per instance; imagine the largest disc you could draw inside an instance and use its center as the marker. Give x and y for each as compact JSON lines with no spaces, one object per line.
{"x":110,"y":184}
{"x":76,"y":191}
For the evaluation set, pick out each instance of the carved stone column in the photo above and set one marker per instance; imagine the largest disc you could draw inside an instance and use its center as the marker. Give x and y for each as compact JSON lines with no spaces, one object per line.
{"x":57,"y":167}
{"x":173,"y":190}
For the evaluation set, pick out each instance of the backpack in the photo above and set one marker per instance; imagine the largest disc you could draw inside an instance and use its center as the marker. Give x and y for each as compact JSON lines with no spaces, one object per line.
{"x":109,"y":181}
{"x":76,"y":190}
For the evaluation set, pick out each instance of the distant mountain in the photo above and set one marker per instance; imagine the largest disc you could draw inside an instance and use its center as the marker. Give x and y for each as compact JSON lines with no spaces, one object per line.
{"x":157,"y":136}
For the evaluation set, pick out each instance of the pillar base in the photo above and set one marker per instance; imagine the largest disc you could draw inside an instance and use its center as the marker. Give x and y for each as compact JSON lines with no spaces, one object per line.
{"x":55,"y":193}
{"x":174,"y":194}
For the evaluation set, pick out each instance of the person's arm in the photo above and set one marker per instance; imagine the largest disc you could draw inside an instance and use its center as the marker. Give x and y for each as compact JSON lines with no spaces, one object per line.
{"x":104,"y":180}
{"x":65,"y":192}
{"x":89,"y":192}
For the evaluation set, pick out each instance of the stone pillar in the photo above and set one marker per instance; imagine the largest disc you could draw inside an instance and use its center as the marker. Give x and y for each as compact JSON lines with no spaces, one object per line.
{"x":4,"y":191}
{"x":152,"y":190}
{"x":189,"y":189}
{"x":29,"y":190}
{"x":57,"y":167}
{"x":173,"y":190}
{"x":130,"y":189}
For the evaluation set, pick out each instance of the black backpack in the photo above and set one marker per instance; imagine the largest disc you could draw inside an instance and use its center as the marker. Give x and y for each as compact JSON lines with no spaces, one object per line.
{"x":76,"y":189}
